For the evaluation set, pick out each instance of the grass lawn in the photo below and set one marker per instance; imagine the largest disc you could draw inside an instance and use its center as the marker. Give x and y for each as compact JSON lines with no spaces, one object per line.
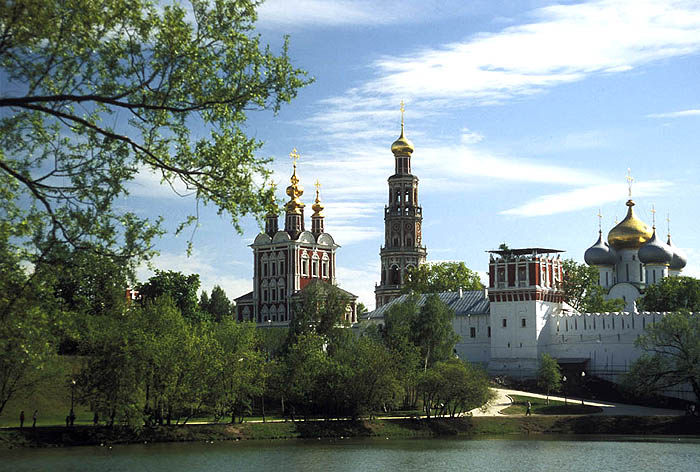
{"x":540,"y":407}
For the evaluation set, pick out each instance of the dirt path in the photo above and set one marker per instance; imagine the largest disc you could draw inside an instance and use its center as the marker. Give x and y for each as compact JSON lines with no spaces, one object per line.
{"x":503,"y":401}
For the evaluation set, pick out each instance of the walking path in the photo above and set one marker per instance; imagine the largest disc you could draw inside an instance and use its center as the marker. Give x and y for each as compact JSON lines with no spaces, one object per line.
{"x":503,"y":401}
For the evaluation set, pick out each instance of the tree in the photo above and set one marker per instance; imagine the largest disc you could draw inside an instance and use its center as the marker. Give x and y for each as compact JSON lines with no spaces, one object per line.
{"x":582,"y":292}
{"x":452,"y":387}
{"x":181,"y":288}
{"x":672,"y":356}
{"x":441,"y":277}
{"x":320,"y":309}
{"x":672,"y":294}
{"x":96,"y":93}
{"x":219,"y":305}
{"x":28,"y":321}
{"x":433,"y":332}
{"x":549,"y":374}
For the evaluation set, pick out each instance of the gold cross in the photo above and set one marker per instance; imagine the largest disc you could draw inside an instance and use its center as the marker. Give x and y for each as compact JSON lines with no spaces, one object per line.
{"x":630,"y":179}
{"x":317,"y":185}
{"x":402,"y":110}
{"x":668,"y":224}
{"x":600,"y":220}
{"x":295,"y":156}
{"x":653,"y":216}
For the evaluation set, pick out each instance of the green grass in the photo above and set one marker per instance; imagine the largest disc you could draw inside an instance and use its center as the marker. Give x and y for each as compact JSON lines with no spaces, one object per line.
{"x":540,"y":407}
{"x":51,"y":398}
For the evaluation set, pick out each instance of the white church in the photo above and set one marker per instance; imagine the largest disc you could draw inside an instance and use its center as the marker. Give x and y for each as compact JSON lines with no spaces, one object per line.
{"x":521,"y":315}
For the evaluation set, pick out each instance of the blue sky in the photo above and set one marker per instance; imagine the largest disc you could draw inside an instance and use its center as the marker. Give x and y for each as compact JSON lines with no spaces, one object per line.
{"x":525,"y":116}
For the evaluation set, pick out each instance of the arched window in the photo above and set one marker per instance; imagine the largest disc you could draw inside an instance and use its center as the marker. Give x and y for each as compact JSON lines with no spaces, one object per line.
{"x":409,"y":241}
{"x":305,"y":264}
{"x":324,"y":266}
{"x":314,"y":265}
{"x":395,"y":275}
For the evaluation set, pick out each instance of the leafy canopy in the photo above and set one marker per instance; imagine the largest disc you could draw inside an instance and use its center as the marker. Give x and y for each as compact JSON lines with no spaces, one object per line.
{"x":672,"y":356}
{"x":582,"y":292}
{"x":441,"y":277}
{"x":96,"y":93}
{"x":671,"y":294}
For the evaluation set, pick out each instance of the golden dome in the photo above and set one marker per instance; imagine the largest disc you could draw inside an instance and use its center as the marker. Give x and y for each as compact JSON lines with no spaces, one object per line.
{"x":317,"y":206}
{"x":402,"y":145}
{"x":294,"y":205}
{"x":630,"y":233}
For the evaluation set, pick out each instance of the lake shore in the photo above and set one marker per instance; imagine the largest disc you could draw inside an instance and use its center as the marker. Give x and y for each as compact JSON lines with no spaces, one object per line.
{"x":390,"y":428}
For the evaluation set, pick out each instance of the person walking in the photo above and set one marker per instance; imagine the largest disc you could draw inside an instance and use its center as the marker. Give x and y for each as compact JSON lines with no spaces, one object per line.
{"x":36,"y":413}
{"x":21,"y":419}
{"x":529,"y":409}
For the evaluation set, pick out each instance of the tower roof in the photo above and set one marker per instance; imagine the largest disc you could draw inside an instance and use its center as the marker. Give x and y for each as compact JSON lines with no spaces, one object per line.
{"x":295,"y":190}
{"x":402,"y":145}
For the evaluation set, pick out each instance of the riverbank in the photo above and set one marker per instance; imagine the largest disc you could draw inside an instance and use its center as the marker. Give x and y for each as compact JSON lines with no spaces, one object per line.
{"x":389,"y":428}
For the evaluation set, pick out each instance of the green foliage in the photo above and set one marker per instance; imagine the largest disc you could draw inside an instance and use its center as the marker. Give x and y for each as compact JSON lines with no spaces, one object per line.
{"x":321,"y":309}
{"x":97,"y":92}
{"x":433,"y":332}
{"x":549,"y":374}
{"x":582,"y":292}
{"x":672,"y":294}
{"x":219,"y":304}
{"x":452,"y":387}
{"x":441,"y":277}
{"x":181,"y":288}
{"x":28,"y":323}
{"x":672,"y":356}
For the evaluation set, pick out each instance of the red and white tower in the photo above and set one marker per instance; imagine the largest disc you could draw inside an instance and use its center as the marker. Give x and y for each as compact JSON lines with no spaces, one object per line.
{"x":402,"y":224}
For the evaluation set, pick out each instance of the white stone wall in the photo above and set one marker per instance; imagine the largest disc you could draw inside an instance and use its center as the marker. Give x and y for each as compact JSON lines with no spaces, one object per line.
{"x":477,"y":349}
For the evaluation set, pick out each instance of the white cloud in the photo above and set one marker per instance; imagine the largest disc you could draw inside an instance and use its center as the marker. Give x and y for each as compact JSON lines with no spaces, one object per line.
{"x":586,"y":197}
{"x":566,"y":43}
{"x":676,"y":114}
{"x":149,"y":183}
{"x":359,"y":282}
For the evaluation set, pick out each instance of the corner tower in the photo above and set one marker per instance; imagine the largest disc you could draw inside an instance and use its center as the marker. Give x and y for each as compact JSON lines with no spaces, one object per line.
{"x":402,"y":224}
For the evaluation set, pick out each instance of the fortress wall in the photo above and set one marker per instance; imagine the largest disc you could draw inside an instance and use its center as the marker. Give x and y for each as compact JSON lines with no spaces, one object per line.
{"x":477,"y":349}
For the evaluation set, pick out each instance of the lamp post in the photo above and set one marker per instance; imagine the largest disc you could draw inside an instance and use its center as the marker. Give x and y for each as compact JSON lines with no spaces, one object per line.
{"x":72,"y":401}
{"x":563,"y":380}
{"x":583,"y":376}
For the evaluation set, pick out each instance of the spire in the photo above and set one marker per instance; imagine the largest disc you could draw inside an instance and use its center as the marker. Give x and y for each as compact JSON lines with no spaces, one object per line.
{"x":271,"y":216}
{"x":294,"y":220}
{"x":668,"y":226}
{"x":317,"y":217}
{"x":402,"y":146}
{"x":317,"y":206}
{"x":653,"y":217}
{"x":630,"y":179}
{"x":600,"y":222}
{"x":294,"y":205}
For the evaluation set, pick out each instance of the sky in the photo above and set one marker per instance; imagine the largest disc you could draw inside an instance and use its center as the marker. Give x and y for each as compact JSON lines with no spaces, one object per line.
{"x":525,"y":117}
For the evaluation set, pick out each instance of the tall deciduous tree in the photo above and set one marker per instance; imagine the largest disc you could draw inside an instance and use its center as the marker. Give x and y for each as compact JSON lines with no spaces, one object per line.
{"x":582,"y":292}
{"x":321,"y":309}
{"x":671,"y":294}
{"x":181,"y":288}
{"x":549,"y":374}
{"x":219,"y":305}
{"x":433,"y":332}
{"x":442,"y":277}
{"x":672,"y":356}
{"x":96,"y":93}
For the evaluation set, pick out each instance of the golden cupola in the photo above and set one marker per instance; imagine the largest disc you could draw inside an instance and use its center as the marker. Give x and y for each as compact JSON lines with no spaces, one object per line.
{"x":630,"y":233}
{"x":402,"y":146}
{"x":294,"y":205}
{"x":317,"y":207}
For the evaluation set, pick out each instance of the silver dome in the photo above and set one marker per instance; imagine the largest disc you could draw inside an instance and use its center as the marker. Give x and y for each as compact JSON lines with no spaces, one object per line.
{"x":600,"y":254}
{"x":655,"y":251}
{"x":679,"y":258}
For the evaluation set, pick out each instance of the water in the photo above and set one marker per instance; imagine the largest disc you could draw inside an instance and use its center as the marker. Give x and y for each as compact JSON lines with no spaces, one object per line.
{"x":519,"y":454}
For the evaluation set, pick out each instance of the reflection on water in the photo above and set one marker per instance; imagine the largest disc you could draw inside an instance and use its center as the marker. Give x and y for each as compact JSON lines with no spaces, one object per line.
{"x":561,"y":454}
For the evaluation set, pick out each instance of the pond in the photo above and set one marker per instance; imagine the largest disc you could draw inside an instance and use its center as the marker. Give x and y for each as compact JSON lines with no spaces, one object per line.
{"x":569,"y":454}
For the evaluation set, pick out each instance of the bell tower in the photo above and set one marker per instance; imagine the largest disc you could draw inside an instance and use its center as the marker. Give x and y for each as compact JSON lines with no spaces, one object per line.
{"x":402,"y":224}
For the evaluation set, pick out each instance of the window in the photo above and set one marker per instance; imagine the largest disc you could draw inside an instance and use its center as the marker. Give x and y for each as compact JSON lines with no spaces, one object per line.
{"x":324,"y":267}
{"x":305,"y":265}
{"x":265,"y":295}
{"x":472,"y":332}
{"x":505,"y":323}
{"x":281,"y":267}
{"x":314,"y":266}
{"x":523,"y":323}
{"x":264,"y":264}
{"x":273,"y":294}
{"x":488,"y":331}
{"x":273,"y":268}
{"x":281,"y":294}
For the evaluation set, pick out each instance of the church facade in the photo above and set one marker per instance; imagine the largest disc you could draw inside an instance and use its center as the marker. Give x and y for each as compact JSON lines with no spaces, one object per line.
{"x":288,"y":261}
{"x":403,"y":216}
